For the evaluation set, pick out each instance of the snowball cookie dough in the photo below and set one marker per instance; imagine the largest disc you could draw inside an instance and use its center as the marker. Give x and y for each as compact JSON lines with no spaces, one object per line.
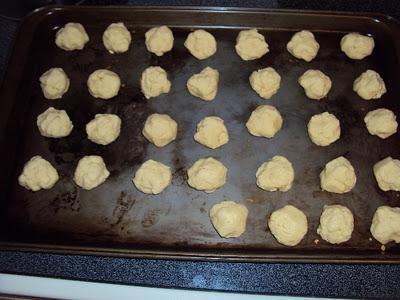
{"x":324,"y":129}
{"x":117,"y":38}
{"x":38,"y":174}
{"x":160,"y":129}
{"x":316,"y":84}
{"x":104,"y":84}
{"x":265,"y":82}
{"x":387,"y":174}
{"x":104,"y":129}
{"x":251,"y":45}
{"x":385,"y":225}
{"x":54,"y":123}
{"x":288,"y":225}
{"x":201,"y":44}
{"x":90,"y":172}
{"x":211,"y":132}
{"x":72,"y":36}
{"x":54,"y":83}
{"x":264,"y":121}
{"x":276,"y":174}
{"x":152,"y":177}
{"x":229,"y":218}
{"x":207,"y":174}
{"x":204,"y":84}
{"x":357,"y":46}
{"x":381,"y":122}
{"x":338,"y":176}
{"x":303,"y":45}
{"x":336,"y":224}
{"x":369,"y":85}
{"x":159,"y":40}
{"x":154,"y":82}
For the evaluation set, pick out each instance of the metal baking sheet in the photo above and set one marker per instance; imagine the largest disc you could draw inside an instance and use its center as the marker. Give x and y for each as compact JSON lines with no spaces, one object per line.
{"x":115,"y":218}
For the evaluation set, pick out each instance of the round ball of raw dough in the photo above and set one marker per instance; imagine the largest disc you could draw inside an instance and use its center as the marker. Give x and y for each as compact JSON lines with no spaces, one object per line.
{"x":201,"y":44}
{"x":154,"y":82}
{"x":152,"y":177}
{"x":211,"y":132}
{"x":387,"y":174}
{"x":324,"y":129}
{"x":385,"y":225}
{"x":338,"y":176}
{"x":204,"y":84}
{"x":207,"y":174}
{"x":316,"y":84}
{"x":303,"y":45}
{"x":54,"y":123}
{"x":72,"y":36}
{"x":104,"y":84}
{"x":288,"y":225}
{"x":54,"y":83}
{"x":357,"y":46}
{"x":159,"y":40}
{"x":264,"y":121}
{"x":90,"y":172}
{"x":229,"y":218}
{"x":103,"y":129}
{"x":117,"y":38}
{"x":160,"y":129}
{"x":38,"y":174}
{"x":265,"y":82}
{"x":369,"y":85}
{"x":336,"y":224}
{"x":381,"y":122}
{"x":277,"y":174}
{"x":251,"y":45}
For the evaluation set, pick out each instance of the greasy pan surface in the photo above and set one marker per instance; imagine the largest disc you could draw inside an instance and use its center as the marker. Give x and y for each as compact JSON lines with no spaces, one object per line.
{"x":117,"y":219}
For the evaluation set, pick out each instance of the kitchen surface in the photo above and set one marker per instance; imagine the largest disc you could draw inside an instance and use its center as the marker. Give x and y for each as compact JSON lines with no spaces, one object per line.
{"x":294,"y":279}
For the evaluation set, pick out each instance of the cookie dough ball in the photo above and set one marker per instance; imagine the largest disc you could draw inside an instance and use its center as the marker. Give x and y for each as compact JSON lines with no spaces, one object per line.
{"x":90,"y":172}
{"x":324,"y":129}
{"x":54,"y":123}
{"x":204,"y":84}
{"x":338,"y":176}
{"x":264,"y":121}
{"x":316,"y":84}
{"x":159,"y":40}
{"x":152,"y":177}
{"x":160,"y":129}
{"x":72,"y":36}
{"x":207,"y":174}
{"x":117,"y":38}
{"x":303,"y":45}
{"x":104,"y":84}
{"x":229,"y":218}
{"x":385,"y":225}
{"x":336,"y":224}
{"x":288,"y":225}
{"x":357,"y":46}
{"x":277,"y":174}
{"x":387,"y":174}
{"x":369,"y":85}
{"x":154,"y":82}
{"x":381,"y":122}
{"x":38,"y":174}
{"x":54,"y":83}
{"x":251,"y":45}
{"x":201,"y":44}
{"x":104,"y":129}
{"x":211,"y":132}
{"x":265,"y":82}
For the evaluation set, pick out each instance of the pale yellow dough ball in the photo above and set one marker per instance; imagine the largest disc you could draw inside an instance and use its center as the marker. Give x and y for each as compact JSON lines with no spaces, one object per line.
{"x":117,"y":38}
{"x":201,"y":44}
{"x":160,"y":129}
{"x":324,"y":129}
{"x":303,"y":45}
{"x":38,"y":174}
{"x":277,"y":174}
{"x":154,"y":82}
{"x":72,"y":36}
{"x":381,"y":122}
{"x":338,"y":176}
{"x":207,"y":174}
{"x":204,"y":85}
{"x":265,"y":82}
{"x":159,"y":40}
{"x":264,"y":121}
{"x":91,"y":172}
{"x":54,"y":123}
{"x":251,"y":45}
{"x":104,"y":129}
{"x":387,"y":174}
{"x":336,"y":224}
{"x":316,"y":84}
{"x":104,"y":84}
{"x":385,"y":225}
{"x":357,"y":46}
{"x":369,"y":85}
{"x":229,"y":218}
{"x":54,"y":83}
{"x":152,"y":177}
{"x":211,"y":132}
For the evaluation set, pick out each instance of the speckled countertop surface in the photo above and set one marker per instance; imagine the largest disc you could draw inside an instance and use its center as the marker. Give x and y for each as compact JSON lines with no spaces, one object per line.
{"x":361,"y":281}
